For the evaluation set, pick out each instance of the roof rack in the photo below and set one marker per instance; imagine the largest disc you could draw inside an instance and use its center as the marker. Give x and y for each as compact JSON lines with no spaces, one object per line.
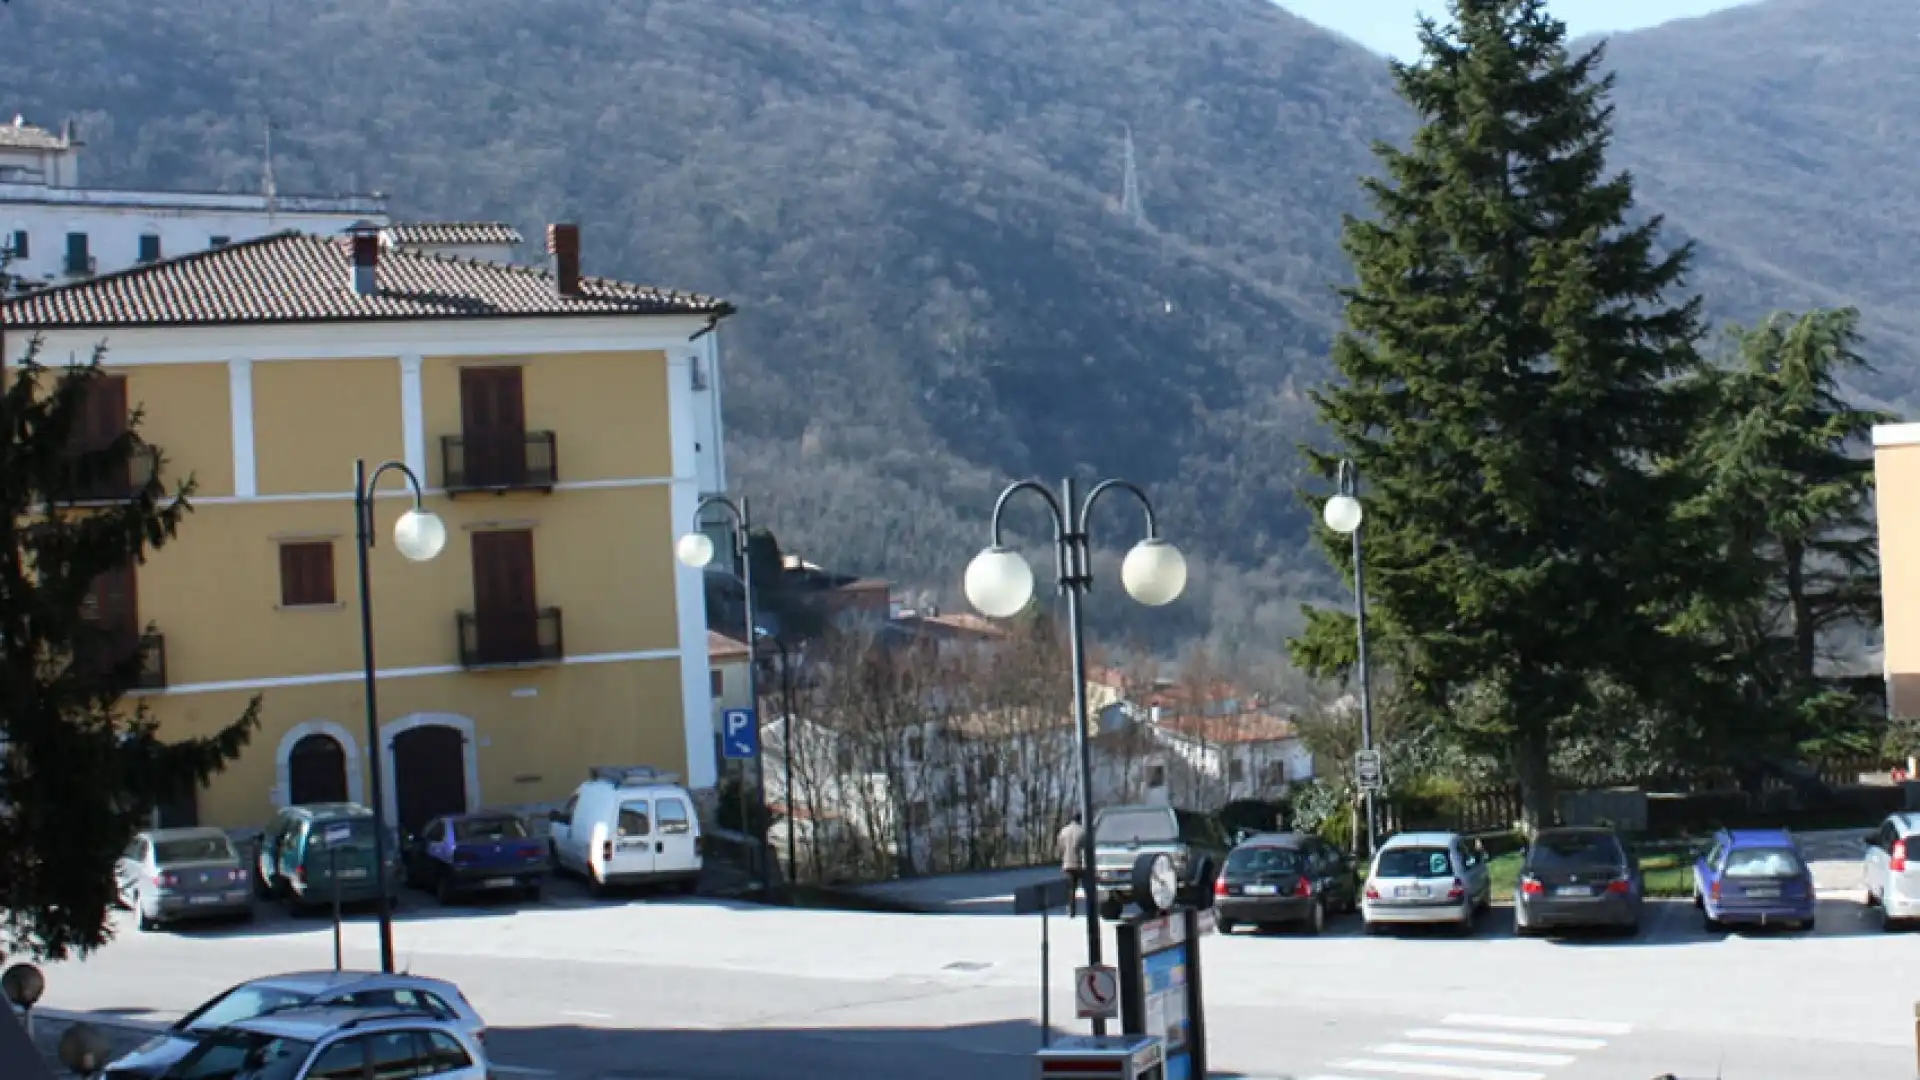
{"x":391,"y":1012}
{"x":625,"y":775}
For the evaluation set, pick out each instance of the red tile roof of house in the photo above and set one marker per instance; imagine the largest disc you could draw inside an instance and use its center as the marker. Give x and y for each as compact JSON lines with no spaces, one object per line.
{"x":720,"y":647}
{"x":300,"y":278}
{"x":1246,"y":727}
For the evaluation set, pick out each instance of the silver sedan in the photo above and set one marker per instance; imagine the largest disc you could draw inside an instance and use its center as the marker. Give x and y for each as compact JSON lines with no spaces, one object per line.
{"x":174,"y":875}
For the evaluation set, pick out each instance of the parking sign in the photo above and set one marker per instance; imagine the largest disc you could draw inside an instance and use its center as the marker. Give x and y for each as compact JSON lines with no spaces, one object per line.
{"x":739,"y":734}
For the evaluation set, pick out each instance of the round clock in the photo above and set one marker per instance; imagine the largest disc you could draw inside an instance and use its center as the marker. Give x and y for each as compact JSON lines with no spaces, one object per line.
{"x":1156,"y":885}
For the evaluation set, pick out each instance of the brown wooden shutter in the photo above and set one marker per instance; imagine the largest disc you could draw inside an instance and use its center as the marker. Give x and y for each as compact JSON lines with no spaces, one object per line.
{"x":493,"y":424}
{"x":504,"y":601}
{"x":306,"y":574}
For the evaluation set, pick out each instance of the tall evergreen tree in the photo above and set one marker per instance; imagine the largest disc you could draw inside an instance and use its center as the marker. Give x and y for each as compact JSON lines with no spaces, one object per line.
{"x":1511,"y":393}
{"x":1794,"y":493}
{"x":81,"y":770}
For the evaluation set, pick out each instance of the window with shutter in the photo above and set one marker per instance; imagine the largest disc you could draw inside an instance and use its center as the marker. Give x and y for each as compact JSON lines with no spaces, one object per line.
{"x":306,"y":574}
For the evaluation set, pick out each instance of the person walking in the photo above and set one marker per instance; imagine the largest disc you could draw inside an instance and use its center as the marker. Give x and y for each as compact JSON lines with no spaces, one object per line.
{"x":1073,"y":861}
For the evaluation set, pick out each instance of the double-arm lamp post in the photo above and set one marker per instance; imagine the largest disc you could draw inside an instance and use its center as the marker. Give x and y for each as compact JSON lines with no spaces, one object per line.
{"x":695,"y":550}
{"x":999,"y":582}
{"x":1344,"y":514}
{"x":418,"y":535}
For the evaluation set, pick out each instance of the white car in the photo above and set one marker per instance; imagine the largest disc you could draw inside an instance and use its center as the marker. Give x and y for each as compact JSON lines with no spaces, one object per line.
{"x":1426,"y":878}
{"x":629,"y":825}
{"x":298,"y":990}
{"x":1892,"y":869}
{"x":327,"y":1044}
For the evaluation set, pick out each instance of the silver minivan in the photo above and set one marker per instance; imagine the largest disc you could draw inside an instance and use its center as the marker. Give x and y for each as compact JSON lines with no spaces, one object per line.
{"x":1426,"y":878}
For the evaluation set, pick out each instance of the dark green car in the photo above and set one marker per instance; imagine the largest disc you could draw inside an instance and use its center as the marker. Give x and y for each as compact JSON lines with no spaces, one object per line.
{"x":309,"y":851}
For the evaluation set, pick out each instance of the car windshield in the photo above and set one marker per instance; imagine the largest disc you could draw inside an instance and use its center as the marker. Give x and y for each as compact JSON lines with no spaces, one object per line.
{"x":1135,"y":826}
{"x":1560,"y":851}
{"x":1263,"y":860}
{"x":198,"y":849}
{"x":242,"y":1003}
{"x":1415,"y":862}
{"x":482,"y":830}
{"x":1760,"y":862}
{"x":242,"y":1055}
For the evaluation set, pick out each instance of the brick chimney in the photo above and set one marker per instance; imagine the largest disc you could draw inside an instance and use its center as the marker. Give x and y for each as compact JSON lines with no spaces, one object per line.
{"x":563,"y":244}
{"x":366,"y":261}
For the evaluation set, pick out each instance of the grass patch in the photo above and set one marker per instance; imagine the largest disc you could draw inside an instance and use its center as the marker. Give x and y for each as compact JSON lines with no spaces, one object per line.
{"x":1667,"y":872}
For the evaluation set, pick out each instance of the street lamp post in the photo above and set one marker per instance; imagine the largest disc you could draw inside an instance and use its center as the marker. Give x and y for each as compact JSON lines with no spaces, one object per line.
{"x":695,"y":550}
{"x":417,"y":536}
{"x":999,"y":582}
{"x":1344,"y":514}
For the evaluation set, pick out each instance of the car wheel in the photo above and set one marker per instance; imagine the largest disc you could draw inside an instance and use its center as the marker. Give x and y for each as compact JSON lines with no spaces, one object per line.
{"x":1224,"y":926}
{"x":1371,"y":929}
{"x":1871,"y":900}
{"x":1712,"y":924}
{"x":1317,"y":918}
{"x":1112,"y":909}
{"x":443,"y":888}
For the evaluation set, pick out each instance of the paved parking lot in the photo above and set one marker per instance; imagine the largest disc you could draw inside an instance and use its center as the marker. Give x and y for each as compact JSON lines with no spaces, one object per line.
{"x":642,"y":987}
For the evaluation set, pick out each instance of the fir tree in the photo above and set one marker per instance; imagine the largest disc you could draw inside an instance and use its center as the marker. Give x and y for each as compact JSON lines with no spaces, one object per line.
{"x":81,"y":769}
{"x":1794,"y":494}
{"x":1512,"y":389}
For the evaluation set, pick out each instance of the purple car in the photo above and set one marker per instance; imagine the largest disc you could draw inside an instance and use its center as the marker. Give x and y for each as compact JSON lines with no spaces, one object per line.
{"x":484,"y":852}
{"x":1754,"y":877}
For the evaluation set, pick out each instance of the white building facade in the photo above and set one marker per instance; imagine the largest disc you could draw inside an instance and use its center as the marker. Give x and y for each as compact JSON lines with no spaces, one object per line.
{"x":56,"y":231}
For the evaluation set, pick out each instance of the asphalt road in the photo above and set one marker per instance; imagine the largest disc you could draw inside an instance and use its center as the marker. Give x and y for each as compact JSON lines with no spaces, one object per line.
{"x":707,"y":990}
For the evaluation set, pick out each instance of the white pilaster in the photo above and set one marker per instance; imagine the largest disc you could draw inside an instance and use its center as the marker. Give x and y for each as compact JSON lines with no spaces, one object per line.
{"x":413,"y":417}
{"x":246,"y":471}
{"x":689,"y":592}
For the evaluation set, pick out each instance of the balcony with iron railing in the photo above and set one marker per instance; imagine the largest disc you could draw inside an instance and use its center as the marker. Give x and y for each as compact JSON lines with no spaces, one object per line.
{"x":494,"y":639}
{"x":529,"y":461}
{"x":121,"y":482}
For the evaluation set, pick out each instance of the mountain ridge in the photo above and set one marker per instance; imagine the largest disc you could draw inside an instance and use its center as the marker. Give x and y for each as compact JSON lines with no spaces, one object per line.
{"x":916,"y":208}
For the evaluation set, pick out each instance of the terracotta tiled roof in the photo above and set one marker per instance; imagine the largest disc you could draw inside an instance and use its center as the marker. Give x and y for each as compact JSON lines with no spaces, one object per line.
{"x":1246,"y":727}
{"x":20,"y":135}
{"x":438,"y":233}
{"x":722,"y":647}
{"x":300,"y":278}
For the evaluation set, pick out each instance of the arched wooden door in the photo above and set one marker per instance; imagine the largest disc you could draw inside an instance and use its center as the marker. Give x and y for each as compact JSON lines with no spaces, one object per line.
{"x":429,"y":774}
{"x":316,"y":771}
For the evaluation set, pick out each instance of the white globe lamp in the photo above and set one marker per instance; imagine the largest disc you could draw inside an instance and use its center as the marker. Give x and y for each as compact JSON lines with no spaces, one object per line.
{"x":1154,"y":572}
{"x":999,"y":582}
{"x":694,"y":549}
{"x":1342,"y":514}
{"x":419,"y":535}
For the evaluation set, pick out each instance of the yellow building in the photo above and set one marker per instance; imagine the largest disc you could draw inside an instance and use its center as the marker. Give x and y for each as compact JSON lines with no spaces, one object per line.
{"x":556,"y":423}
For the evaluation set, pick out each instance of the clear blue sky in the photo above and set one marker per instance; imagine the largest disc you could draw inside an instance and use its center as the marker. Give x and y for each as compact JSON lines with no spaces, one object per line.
{"x":1389,"y":26}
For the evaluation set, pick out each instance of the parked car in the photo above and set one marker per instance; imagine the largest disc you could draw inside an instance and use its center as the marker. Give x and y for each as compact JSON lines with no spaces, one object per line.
{"x":475,"y":852}
{"x":1892,"y":870}
{"x":308,"y":852}
{"x":1273,"y":879}
{"x":278,"y":993}
{"x":1121,"y":834}
{"x":628,"y":825}
{"x":1754,"y":877}
{"x":335,"y":1043}
{"x":1426,"y":878}
{"x":175,"y":875}
{"x":1578,"y":877}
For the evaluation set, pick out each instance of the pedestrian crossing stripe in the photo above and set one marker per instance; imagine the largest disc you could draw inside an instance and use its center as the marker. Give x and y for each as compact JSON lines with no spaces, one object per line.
{"x":1478,"y":1046}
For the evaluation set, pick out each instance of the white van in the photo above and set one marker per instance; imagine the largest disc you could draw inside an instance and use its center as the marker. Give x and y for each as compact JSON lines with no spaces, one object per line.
{"x":628,"y":825}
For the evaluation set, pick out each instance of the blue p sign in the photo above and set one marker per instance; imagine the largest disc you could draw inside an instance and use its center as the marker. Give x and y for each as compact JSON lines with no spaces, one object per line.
{"x":739,"y":734}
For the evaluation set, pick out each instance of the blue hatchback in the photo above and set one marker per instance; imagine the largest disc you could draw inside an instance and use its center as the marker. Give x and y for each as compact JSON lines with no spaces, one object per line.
{"x":1754,"y":877}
